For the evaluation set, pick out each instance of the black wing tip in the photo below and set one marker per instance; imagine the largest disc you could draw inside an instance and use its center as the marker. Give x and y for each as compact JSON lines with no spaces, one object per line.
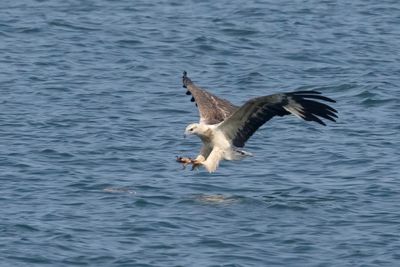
{"x":313,"y":95}
{"x":315,"y":110}
{"x":315,"y":113}
{"x":185,"y":79}
{"x":305,"y":92}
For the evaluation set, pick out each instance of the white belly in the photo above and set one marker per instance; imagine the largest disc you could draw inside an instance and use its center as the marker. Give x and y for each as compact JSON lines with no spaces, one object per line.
{"x":219,"y":140}
{"x":229,"y":152}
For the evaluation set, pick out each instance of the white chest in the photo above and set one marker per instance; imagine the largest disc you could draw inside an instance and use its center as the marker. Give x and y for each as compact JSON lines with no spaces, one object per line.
{"x":219,"y":140}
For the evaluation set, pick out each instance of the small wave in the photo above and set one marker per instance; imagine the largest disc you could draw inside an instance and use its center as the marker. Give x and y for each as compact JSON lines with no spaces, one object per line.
{"x":239,"y":32}
{"x":30,"y":30}
{"x":26,"y":227}
{"x":129,"y":42}
{"x":49,"y":151}
{"x":119,"y":190}
{"x":67,"y":25}
{"x":3,"y":34}
{"x":366,"y":94}
{"x":376,"y":102}
{"x":218,"y":199}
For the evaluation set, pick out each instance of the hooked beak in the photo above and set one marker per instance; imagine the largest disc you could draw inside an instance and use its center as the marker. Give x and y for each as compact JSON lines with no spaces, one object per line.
{"x":186,"y":134}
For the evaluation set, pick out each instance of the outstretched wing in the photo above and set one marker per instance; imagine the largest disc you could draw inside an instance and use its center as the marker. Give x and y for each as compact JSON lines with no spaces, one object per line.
{"x":212,"y":109}
{"x":248,"y":118}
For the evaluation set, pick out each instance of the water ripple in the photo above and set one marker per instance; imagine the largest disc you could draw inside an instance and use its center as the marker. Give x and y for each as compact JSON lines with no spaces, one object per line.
{"x":92,"y":116}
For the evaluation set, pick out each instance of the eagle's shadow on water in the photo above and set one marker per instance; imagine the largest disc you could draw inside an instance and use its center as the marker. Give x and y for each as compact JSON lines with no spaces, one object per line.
{"x":283,"y":199}
{"x":280,"y":195}
{"x":291,"y":198}
{"x":199,"y":187}
{"x":268,"y":201}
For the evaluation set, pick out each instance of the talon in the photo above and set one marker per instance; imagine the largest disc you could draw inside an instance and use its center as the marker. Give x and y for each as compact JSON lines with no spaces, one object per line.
{"x":184,"y":161}
{"x":195,"y":164}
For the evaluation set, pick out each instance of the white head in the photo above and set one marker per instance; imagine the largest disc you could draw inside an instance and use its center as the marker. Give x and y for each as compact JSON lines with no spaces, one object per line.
{"x":196,"y":128}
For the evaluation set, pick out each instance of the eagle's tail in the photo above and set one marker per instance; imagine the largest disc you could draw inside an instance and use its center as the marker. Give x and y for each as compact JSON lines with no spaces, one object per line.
{"x":240,"y":154}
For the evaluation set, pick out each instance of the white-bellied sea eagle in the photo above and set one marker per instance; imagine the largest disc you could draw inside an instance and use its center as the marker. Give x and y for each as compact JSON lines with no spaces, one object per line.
{"x":224,"y":128}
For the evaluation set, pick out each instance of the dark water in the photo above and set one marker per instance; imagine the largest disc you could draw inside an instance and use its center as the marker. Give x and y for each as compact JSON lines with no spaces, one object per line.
{"x":92,"y":115}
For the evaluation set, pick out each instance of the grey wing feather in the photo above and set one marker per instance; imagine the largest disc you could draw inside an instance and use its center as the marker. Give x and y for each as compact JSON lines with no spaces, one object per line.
{"x":242,"y":124}
{"x":212,"y":109}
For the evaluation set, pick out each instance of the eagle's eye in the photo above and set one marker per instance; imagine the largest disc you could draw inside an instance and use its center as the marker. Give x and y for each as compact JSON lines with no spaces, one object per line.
{"x":191,"y":129}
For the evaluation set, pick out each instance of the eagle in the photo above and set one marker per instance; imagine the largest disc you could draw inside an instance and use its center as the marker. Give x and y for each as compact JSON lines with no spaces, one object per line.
{"x":224,"y":128}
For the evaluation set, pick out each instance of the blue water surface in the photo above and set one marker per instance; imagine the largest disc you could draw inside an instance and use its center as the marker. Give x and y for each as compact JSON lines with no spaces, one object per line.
{"x":92,"y":113}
